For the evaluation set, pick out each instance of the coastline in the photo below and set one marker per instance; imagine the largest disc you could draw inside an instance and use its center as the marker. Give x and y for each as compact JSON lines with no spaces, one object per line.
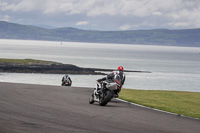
{"x":48,"y":67}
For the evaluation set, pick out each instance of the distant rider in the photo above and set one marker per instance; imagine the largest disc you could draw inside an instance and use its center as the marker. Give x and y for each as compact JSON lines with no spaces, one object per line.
{"x":116,"y":76}
{"x":66,"y":78}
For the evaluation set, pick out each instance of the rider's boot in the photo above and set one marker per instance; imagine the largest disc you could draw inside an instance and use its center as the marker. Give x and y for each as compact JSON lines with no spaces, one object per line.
{"x":116,"y":95}
{"x":100,"y":90}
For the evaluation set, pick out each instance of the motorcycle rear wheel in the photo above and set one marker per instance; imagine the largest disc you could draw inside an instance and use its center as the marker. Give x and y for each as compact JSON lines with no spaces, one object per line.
{"x":106,"y":98}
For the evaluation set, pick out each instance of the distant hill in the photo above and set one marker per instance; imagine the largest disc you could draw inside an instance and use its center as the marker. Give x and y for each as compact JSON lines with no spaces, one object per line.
{"x":187,"y":37}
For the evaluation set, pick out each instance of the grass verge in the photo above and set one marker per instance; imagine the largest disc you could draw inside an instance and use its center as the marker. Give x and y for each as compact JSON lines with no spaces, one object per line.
{"x":179,"y":102}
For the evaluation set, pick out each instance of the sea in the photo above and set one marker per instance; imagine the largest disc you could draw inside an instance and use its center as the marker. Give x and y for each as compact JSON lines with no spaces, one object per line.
{"x":165,"y":67}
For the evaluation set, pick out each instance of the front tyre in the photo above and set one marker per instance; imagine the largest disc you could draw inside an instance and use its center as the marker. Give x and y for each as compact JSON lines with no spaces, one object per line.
{"x":106,"y":98}
{"x":91,"y":99}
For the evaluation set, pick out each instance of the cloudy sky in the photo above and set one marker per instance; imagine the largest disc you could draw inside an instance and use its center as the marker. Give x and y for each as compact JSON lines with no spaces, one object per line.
{"x":103,"y":14}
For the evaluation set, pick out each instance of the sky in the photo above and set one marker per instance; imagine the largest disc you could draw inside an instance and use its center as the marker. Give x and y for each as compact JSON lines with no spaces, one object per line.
{"x":105,"y":15}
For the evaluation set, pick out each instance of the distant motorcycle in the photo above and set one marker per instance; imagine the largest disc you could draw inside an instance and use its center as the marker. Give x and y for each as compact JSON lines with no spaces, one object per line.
{"x":66,"y":80}
{"x":66,"y":83}
{"x":103,"y":92}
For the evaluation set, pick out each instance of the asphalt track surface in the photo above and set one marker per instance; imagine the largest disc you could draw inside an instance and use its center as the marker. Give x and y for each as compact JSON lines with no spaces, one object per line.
{"x":26,"y":108}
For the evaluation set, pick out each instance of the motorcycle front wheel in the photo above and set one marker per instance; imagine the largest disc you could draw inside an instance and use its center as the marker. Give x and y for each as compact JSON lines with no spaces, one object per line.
{"x":91,"y":99}
{"x":106,"y":98}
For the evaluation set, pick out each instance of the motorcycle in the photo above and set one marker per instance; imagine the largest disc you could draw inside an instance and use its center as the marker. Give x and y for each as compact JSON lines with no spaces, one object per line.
{"x":66,"y":83}
{"x":104,"y":92}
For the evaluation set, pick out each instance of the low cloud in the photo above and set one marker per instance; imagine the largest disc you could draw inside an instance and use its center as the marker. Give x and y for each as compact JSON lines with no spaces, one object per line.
{"x":179,"y":24}
{"x":125,"y":27}
{"x":82,"y":23}
{"x":4,"y":18}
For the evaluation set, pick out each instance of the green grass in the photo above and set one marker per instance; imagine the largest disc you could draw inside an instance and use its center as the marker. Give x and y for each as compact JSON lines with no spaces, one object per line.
{"x":179,"y":102}
{"x":25,"y":61}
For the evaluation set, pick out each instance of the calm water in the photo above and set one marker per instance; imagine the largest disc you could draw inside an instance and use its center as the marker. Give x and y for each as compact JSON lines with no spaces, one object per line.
{"x":173,"y":68}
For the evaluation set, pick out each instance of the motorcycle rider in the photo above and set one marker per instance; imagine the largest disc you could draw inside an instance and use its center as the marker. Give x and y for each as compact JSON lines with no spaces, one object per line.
{"x":116,"y":76}
{"x":66,"y":78}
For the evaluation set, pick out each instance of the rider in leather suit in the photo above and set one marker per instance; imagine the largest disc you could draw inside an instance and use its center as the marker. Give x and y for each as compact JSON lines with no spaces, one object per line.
{"x":116,"y":76}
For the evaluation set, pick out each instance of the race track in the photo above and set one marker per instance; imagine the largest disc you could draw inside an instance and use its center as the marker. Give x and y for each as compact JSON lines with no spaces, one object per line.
{"x":26,"y":108}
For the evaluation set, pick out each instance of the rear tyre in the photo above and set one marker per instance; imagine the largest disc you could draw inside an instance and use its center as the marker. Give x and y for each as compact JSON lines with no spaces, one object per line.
{"x":91,"y":99}
{"x":106,"y":98}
